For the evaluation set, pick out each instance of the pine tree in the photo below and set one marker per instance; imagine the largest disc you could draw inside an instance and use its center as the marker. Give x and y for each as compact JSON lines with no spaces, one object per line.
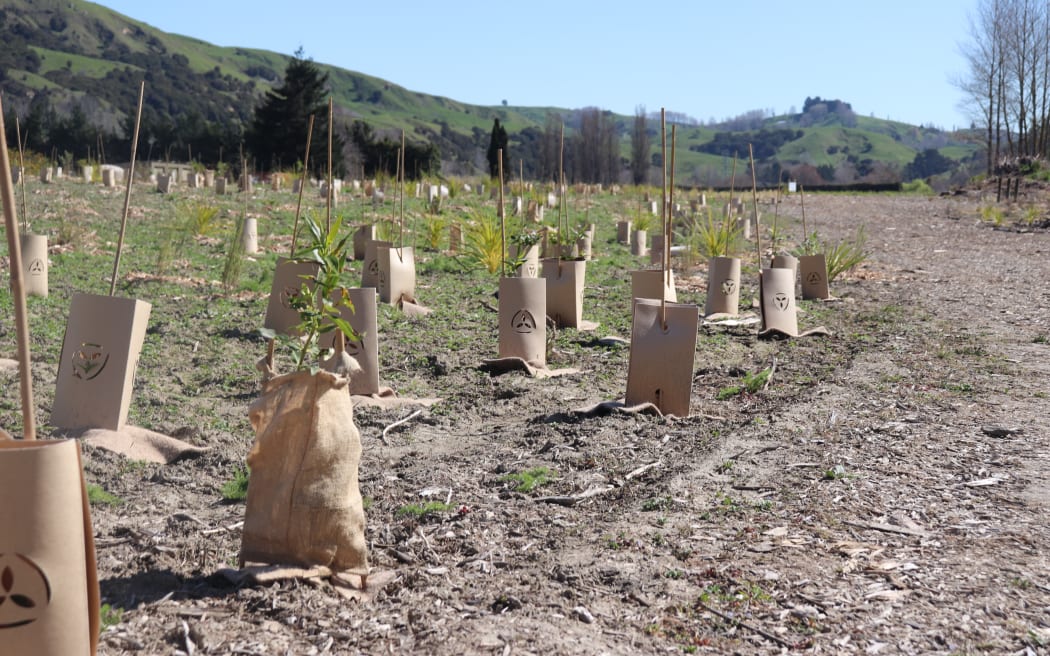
{"x":277,"y":135}
{"x":497,"y":141}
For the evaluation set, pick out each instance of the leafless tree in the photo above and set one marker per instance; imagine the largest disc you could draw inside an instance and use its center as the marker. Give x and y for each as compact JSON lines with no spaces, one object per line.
{"x":640,"y":147}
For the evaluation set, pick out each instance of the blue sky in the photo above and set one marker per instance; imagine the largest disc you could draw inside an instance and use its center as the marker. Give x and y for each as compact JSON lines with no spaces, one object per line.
{"x":892,"y":59}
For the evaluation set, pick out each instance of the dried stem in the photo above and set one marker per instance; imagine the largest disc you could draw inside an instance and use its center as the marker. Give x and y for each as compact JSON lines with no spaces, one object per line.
{"x":302,"y":183}
{"x":754,"y":201}
{"x":127,"y":191}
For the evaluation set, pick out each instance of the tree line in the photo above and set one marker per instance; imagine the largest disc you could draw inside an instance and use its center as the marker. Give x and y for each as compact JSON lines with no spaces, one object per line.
{"x":1007,"y":84}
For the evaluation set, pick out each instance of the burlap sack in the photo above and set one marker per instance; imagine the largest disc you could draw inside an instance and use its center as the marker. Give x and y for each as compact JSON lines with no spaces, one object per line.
{"x":522,"y":320}
{"x":96,"y":370}
{"x":304,"y":504}
{"x":723,"y":286}
{"x":49,"y":595}
{"x":814,"y":270}
{"x":660,"y":370}
{"x":565,"y":280}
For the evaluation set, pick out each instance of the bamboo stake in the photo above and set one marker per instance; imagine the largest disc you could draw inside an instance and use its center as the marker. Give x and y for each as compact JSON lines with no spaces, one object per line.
{"x":127,"y":191}
{"x":729,"y":213}
{"x":802,"y":197}
{"x":302,"y":183}
{"x":668,"y":228}
{"x":502,"y":219}
{"x":329,"y":195}
{"x":7,"y":194}
{"x":663,"y":202}
{"x":754,"y":200}
{"x":22,"y":176}
{"x":776,"y":212}
{"x":401,"y":196}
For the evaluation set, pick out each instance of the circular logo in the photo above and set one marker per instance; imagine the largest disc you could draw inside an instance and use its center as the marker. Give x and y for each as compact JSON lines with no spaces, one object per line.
{"x":24,"y":591}
{"x":814,"y":277}
{"x":36,"y":267}
{"x":373,"y":267}
{"x":523,"y":322}
{"x":89,"y":361}
{"x":728,"y":287}
{"x":781,"y":301}
{"x":287,"y":294}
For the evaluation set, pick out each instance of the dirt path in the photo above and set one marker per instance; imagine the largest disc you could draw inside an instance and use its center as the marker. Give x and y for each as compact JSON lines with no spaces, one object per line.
{"x":869,"y":501}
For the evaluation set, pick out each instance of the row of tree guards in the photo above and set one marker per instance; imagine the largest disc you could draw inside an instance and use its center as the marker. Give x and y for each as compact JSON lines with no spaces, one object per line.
{"x":47,"y":541}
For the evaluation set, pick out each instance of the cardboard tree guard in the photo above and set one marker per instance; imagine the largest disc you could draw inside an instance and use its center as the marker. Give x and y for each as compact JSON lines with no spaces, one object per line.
{"x":660,"y":369}
{"x":522,"y":320}
{"x":96,"y":370}
{"x":48,"y":579}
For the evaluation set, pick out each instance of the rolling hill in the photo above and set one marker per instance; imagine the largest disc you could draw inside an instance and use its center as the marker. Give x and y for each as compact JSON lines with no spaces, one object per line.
{"x":71,"y":56}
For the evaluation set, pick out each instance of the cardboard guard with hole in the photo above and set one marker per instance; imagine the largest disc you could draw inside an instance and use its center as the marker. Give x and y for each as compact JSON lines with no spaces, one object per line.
{"x":647,"y":283}
{"x":565,"y":281}
{"x":397,"y":274}
{"x":96,"y":370}
{"x":777,"y":294}
{"x":362,"y":236}
{"x":522,"y":320}
{"x":623,"y":232}
{"x":723,"y":286}
{"x":363,"y":319}
{"x":47,"y":552}
{"x":660,"y":369}
{"x":785,"y":261}
{"x":250,"y":236}
{"x":287,"y":280}
{"x":370,"y":262}
{"x":34,"y":264}
{"x":814,"y":270}
{"x":639,"y":243}
{"x":530,"y":264}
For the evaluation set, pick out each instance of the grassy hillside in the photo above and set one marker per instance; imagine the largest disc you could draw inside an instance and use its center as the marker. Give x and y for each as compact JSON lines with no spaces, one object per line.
{"x":78,"y":54}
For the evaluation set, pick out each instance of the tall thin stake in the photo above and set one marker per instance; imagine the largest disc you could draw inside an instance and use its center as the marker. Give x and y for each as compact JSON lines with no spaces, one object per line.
{"x":14,"y":248}
{"x":127,"y":191}
{"x":729,"y":213}
{"x":754,"y":201}
{"x":502,"y":219}
{"x":401,"y":196}
{"x":668,"y":228}
{"x":302,"y":183}
{"x":22,"y":176}
{"x":776,"y":212}
{"x":663,"y":202}
{"x":331,"y":192}
{"x":802,"y":197}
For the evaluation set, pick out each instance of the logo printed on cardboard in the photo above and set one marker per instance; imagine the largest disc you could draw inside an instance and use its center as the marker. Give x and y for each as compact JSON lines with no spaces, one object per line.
{"x":813,"y":277}
{"x":373,"y":267}
{"x":523,"y":322}
{"x":89,"y":361}
{"x":24,"y":591}
{"x":36,"y":267}
{"x":781,"y":301}
{"x":287,"y":294}
{"x":728,"y":287}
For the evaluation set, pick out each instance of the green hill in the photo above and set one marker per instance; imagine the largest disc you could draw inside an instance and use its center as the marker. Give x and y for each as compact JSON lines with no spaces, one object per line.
{"x":71,"y":55}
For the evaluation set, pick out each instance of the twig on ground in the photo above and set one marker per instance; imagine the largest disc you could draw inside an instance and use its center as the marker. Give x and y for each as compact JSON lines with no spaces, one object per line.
{"x":397,"y":423}
{"x":572,"y":500}
{"x":762,"y":632}
{"x":641,"y":470}
{"x":887,"y":528}
{"x":772,"y":370}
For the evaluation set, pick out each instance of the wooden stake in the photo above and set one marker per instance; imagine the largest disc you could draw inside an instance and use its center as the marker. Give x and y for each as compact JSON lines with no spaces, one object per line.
{"x":302,"y":183}
{"x":401,"y":195}
{"x":776,"y":212}
{"x":127,"y":191}
{"x":502,"y":219}
{"x":754,"y":200}
{"x":729,"y":214}
{"x":802,"y":197}
{"x":331,"y":192}
{"x":668,"y":227}
{"x":22,"y":176}
{"x":663,"y":202}
{"x":14,"y":248}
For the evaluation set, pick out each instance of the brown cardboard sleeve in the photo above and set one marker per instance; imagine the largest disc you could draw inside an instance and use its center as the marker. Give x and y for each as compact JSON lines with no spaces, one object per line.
{"x":660,"y":370}
{"x":287,"y":281}
{"x":96,"y":370}
{"x":522,"y":320}
{"x":723,"y":286}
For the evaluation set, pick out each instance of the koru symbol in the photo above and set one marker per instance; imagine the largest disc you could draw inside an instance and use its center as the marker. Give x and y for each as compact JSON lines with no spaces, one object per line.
{"x":523,"y":322}
{"x":89,"y":361}
{"x":24,"y":591}
{"x":728,"y":287}
{"x":781,"y":301}
{"x":36,"y":267}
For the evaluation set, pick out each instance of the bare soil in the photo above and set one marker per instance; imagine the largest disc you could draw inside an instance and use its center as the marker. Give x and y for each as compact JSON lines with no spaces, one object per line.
{"x":886,"y":493}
